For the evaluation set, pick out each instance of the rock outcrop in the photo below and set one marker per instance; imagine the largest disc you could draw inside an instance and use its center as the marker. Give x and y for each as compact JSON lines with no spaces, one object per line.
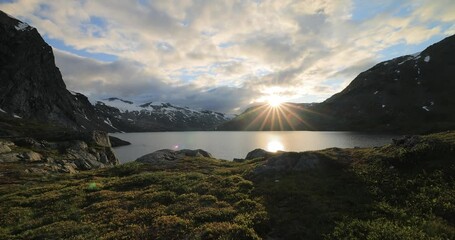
{"x":259,"y":153}
{"x":31,"y":86}
{"x":290,"y":161}
{"x":169,"y":157}
{"x":81,"y":151}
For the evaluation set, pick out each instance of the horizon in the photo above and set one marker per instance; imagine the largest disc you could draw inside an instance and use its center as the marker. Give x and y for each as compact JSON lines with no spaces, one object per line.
{"x":228,"y":57}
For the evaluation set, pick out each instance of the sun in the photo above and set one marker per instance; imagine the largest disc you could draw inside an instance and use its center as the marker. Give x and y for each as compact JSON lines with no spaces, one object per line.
{"x":274,"y":101}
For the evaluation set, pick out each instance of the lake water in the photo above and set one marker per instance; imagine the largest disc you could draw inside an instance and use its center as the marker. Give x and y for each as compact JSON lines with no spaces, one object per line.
{"x":229,"y":145}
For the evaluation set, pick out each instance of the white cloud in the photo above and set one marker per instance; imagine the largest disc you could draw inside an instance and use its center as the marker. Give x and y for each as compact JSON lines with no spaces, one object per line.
{"x":192,"y":51}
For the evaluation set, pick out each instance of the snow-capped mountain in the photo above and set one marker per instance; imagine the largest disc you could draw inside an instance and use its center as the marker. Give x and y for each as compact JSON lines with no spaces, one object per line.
{"x":129,"y":116}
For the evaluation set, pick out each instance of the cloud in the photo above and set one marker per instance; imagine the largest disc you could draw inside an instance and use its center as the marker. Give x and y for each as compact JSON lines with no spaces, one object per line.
{"x":224,"y":54}
{"x":130,"y":80}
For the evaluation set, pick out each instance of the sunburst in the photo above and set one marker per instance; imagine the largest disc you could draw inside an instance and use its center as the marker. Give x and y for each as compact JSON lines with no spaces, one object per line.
{"x":277,"y":115}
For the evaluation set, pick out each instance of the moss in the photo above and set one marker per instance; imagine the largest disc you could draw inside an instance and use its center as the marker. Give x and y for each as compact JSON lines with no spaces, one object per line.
{"x":391,"y":192}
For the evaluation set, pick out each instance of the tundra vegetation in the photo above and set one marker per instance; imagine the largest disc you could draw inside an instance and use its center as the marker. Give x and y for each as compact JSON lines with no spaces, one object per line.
{"x":404,"y":190}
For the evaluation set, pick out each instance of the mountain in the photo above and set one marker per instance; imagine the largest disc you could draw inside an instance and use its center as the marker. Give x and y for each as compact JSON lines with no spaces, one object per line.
{"x":412,"y":93}
{"x":31,"y":86}
{"x":128,"y":116}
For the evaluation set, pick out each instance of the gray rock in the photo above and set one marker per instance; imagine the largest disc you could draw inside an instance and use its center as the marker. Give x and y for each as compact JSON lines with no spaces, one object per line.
{"x":102,"y":157}
{"x":111,"y":157}
{"x":73,"y":154}
{"x":195,"y":153}
{"x":31,"y":156}
{"x":101,"y":139}
{"x":9,"y":157}
{"x":6,"y":142}
{"x":290,"y":161}
{"x":258,"y":153}
{"x":4,"y":148}
{"x":36,"y":170}
{"x":78,"y":146}
{"x":68,"y":168}
{"x":167,"y":156}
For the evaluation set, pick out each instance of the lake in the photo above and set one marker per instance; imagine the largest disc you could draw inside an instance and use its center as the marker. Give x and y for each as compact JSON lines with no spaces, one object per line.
{"x":229,"y":145}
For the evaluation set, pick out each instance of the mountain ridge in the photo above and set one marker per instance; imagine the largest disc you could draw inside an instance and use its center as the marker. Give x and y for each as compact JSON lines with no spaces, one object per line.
{"x":32,"y":86}
{"x":411,"y":93}
{"x":126,"y":115}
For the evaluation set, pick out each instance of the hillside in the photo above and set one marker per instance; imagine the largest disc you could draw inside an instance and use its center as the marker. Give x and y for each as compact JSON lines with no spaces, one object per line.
{"x":399,"y":191}
{"x":412,"y":93}
{"x":31,"y":86}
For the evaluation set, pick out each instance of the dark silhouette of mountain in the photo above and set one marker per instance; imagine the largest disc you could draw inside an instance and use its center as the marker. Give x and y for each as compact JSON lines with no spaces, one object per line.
{"x":412,"y":93}
{"x":31,"y":86}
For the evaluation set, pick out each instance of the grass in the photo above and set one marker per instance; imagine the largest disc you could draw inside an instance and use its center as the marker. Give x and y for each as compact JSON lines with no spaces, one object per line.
{"x":391,"y":192}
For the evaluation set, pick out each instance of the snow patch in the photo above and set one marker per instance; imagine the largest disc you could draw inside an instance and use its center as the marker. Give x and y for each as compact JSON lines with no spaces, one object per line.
{"x":21,"y":26}
{"x":3,"y":111}
{"x":16,"y":116}
{"x":121,"y":105}
{"x":416,"y":54}
{"x":108,"y":122}
{"x":383,"y":106}
{"x":376,"y":92}
{"x":426,"y":59}
{"x":426,"y":108}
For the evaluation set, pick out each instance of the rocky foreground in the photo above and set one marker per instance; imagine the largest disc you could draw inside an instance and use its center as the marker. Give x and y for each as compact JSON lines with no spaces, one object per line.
{"x":68,"y":153}
{"x":404,"y":190}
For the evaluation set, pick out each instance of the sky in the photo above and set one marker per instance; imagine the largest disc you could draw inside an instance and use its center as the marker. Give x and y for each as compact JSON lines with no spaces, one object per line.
{"x":225,"y":55}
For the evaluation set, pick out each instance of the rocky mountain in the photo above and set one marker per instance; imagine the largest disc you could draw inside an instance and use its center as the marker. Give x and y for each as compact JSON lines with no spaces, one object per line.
{"x":31,"y":86}
{"x":124,"y":115}
{"x":412,"y":93}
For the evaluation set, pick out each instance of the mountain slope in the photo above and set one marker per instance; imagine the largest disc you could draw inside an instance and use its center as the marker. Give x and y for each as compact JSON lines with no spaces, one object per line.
{"x":31,"y":86}
{"x":133,"y":117}
{"x":408,"y":93}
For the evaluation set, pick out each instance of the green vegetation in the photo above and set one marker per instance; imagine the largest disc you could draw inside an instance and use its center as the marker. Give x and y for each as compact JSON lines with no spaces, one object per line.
{"x":397,"y":191}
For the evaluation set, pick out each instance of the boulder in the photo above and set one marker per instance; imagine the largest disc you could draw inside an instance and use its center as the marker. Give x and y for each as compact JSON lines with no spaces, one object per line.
{"x":31,"y":156}
{"x":111,"y":157}
{"x":101,"y":139}
{"x":68,"y":168}
{"x":258,"y":153}
{"x":290,"y":161}
{"x":4,"y":148}
{"x":195,"y":153}
{"x":164,"y":155}
{"x":167,"y":156}
{"x":78,"y":146}
{"x":9,"y":157}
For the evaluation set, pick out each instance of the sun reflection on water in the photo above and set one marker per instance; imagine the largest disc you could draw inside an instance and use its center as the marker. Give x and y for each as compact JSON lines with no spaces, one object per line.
{"x":274,"y":146}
